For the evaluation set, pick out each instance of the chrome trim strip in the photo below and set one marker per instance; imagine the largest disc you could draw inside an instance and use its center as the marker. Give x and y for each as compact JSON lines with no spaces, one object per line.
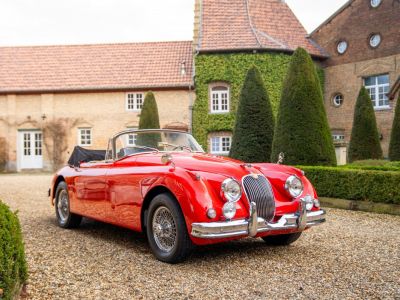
{"x":247,"y":227}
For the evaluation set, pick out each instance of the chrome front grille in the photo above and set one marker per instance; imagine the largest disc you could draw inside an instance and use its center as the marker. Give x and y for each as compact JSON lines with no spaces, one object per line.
{"x":259,"y":190}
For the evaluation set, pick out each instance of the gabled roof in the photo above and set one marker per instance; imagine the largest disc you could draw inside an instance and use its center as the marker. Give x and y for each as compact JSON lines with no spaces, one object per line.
{"x":95,"y":67}
{"x":327,"y":21}
{"x":229,"y":25}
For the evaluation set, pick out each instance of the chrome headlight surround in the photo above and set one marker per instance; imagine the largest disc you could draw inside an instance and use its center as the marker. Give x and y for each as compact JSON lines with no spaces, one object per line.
{"x":231,"y":190}
{"x":294,"y":186}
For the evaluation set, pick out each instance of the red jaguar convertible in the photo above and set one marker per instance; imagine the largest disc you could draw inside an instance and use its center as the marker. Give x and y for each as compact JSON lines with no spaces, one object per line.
{"x":162,"y":183}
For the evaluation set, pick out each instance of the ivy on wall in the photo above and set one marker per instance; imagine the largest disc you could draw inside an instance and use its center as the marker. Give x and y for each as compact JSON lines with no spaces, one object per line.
{"x":232,"y":68}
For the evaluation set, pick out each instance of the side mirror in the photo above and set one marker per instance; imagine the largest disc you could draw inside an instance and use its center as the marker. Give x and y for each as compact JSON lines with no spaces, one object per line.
{"x":281,"y":157}
{"x":166,"y":159}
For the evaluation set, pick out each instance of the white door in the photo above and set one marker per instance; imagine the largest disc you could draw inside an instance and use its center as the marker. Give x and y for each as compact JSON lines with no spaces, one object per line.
{"x":30,"y":149}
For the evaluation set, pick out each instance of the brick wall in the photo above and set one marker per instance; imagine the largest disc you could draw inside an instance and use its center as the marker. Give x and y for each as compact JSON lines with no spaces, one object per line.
{"x":355,"y":24}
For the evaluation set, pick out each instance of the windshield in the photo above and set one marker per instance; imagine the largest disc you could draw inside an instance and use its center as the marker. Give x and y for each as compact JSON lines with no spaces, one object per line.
{"x":134,"y":142}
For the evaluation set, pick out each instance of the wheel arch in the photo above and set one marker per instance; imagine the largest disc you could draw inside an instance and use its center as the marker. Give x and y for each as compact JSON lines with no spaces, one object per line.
{"x":157,"y":190}
{"x":57,"y":181}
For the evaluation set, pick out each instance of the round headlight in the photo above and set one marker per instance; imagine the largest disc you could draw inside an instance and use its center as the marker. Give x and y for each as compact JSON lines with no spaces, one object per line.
{"x":294,"y":186}
{"x":229,"y":210}
{"x":231,"y":190}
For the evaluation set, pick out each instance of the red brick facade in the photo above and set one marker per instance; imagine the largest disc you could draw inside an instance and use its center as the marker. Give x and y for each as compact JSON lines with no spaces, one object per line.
{"x":345,"y":73}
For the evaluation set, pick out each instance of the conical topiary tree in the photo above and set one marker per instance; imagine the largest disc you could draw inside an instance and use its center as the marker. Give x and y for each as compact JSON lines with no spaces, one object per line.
{"x":149,"y":119}
{"x":149,"y":115}
{"x":302,"y":132}
{"x":254,"y":127}
{"x":394,"y":147}
{"x":364,"y":141}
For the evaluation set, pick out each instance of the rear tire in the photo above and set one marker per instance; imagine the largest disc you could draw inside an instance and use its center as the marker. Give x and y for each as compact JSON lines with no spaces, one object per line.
{"x":166,"y":230}
{"x":65,"y":219}
{"x":282,"y":239}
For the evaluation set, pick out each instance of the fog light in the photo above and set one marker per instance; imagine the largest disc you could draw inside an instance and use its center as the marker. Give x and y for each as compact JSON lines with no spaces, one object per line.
{"x":229,"y":210}
{"x":309,"y":202}
{"x":211,"y":213}
{"x":317,"y":203}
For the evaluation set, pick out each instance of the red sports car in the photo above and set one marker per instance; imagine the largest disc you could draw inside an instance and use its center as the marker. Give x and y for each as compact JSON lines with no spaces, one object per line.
{"x":162,"y":183}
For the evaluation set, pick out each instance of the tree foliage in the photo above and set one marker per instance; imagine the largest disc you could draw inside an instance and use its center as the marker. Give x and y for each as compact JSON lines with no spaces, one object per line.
{"x":394,"y":147}
{"x":232,"y":68}
{"x":254,"y":127}
{"x":364,"y":141}
{"x":149,"y":119}
{"x":302,"y":132}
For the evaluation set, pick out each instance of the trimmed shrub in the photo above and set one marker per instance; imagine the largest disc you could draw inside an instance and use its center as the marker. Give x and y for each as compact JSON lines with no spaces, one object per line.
{"x":254,"y":127}
{"x":364,"y":140}
{"x":149,"y":118}
{"x":394,"y":147}
{"x":13,"y":268}
{"x":375,"y":186}
{"x":373,"y":164}
{"x":302,"y":132}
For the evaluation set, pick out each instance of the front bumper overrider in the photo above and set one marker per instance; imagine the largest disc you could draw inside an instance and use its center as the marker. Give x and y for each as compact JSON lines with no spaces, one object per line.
{"x":300,"y":220}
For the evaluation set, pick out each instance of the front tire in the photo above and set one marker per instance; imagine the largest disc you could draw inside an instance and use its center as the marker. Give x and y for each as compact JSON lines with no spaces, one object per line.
{"x":166,"y":230}
{"x":282,"y":239}
{"x":65,"y":219}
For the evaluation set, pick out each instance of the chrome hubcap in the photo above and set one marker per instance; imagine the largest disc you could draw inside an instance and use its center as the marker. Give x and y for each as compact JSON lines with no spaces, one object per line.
{"x":62,"y":206}
{"x":164,"y":229}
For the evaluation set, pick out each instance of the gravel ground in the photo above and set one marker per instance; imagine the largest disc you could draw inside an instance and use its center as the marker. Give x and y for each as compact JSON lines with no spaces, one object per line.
{"x":354,"y":255}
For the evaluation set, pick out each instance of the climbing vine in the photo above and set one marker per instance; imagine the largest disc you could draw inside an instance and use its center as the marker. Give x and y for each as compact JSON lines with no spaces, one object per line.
{"x":232,"y":68}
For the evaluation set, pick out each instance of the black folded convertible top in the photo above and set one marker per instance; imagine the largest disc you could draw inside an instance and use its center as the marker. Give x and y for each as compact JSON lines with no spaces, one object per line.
{"x":84,"y":155}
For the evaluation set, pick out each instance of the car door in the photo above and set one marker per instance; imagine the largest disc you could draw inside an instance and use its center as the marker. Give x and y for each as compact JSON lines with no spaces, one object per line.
{"x":123,"y":182}
{"x":91,"y":191}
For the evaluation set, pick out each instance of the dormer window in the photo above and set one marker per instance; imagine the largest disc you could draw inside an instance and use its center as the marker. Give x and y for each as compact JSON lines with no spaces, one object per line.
{"x":219,"y":98}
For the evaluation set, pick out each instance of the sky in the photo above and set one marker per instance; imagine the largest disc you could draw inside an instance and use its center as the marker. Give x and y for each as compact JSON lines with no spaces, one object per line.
{"x":51,"y":22}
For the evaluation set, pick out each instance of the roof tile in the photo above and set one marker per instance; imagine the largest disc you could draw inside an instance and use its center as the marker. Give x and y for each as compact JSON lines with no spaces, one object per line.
{"x":95,"y":67}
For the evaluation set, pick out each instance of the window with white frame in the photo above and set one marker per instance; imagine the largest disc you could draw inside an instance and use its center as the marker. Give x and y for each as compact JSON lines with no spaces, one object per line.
{"x":338,"y":137}
{"x":220,"y":144}
{"x":131,"y":138}
{"x":219,"y":99}
{"x":85,"y":136}
{"x":378,"y":88}
{"x":134,"y":101}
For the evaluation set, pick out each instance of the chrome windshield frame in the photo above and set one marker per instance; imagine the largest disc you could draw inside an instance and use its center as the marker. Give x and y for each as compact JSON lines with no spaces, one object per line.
{"x":133,"y":131}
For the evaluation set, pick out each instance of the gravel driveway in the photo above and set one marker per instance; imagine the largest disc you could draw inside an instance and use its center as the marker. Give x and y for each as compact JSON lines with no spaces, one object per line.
{"x":353,"y":255}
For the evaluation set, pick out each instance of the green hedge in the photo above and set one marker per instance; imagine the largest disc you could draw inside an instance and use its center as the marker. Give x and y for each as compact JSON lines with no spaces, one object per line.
{"x":232,"y":68}
{"x":375,"y":186}
{"x":13,"y":268}
{"x":373,"y":164}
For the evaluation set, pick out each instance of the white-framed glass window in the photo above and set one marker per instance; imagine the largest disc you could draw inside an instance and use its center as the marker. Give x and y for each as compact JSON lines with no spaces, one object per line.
{"x":378,"y":88}
{"x":341,"y":47}
{"x":220,"y":144}
{"x":337,"y":99}
{"x":131,"y":138}
{"x":337,"y":137}
{"x":219,"y":99}
{"x":134,"y":101}
{"x":85,"y":136}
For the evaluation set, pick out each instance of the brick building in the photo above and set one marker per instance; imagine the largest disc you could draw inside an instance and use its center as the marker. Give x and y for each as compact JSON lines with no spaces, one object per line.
{"x":55,"y":97}
{"x":363,"y":42}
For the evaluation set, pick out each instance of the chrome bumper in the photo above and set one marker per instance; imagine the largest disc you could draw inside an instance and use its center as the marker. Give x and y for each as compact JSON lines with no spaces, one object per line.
{"x":254,"y":225}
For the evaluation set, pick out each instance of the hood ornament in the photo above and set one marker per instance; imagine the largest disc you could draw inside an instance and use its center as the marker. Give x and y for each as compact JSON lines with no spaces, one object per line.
{"x":167,"y":159}
{"x":281,"y":157}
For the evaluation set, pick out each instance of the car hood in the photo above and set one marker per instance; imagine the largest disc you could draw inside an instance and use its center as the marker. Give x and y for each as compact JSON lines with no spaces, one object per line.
{"x":203,"y":162}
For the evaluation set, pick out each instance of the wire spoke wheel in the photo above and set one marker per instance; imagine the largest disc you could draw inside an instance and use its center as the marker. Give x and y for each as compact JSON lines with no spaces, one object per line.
{"x":63,"y":206}
{"x":164,"y":229}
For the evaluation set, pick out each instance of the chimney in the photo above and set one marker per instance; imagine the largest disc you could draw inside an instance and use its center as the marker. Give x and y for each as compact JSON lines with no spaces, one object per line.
{"x":197,"y":23}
